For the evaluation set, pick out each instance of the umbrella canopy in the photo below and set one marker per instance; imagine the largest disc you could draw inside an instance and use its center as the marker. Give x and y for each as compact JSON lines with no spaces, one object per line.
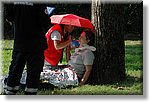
{"x":71,"y":19}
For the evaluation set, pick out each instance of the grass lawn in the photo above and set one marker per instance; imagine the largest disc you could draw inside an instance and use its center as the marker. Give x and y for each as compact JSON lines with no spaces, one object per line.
{"x":133,"y":85}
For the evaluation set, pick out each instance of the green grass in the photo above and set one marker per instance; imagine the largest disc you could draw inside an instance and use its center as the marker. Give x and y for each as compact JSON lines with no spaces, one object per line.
{"x":134,"y":55}
{"x":132,"y":85}
{"x":7,"y":47}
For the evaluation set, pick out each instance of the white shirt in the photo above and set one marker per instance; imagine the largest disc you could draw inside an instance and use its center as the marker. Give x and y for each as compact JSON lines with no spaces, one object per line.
{"x":82,"y":57}
{"x":56,"y":35}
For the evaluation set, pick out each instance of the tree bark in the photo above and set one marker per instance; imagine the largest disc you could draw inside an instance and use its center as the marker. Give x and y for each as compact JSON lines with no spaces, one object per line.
{"x":109,"y":64}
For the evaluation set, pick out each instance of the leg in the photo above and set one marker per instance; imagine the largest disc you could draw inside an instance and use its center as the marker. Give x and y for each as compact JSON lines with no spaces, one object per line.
{"x":35,"y":64}
{"x":15,"y":72}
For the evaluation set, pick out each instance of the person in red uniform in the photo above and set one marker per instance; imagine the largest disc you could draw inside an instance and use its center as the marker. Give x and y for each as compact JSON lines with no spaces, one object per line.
{"x":58,"y":38}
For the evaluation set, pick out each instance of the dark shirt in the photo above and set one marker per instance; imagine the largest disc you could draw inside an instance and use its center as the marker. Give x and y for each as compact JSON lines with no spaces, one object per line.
{"x":30,"y":22}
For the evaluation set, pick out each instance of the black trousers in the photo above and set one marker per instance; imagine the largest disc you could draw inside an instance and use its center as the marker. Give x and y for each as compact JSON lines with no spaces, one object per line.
{"x":34,"y":62}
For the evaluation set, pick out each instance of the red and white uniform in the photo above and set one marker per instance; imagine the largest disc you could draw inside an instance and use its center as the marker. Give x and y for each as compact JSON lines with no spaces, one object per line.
{"x":52,"y":55}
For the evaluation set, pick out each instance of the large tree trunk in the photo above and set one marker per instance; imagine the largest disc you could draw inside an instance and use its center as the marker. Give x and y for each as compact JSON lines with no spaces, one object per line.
{"x":109,"y":65}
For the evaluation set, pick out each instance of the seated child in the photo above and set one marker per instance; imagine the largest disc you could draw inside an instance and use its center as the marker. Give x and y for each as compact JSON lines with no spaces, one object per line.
{"x":82,"y":59}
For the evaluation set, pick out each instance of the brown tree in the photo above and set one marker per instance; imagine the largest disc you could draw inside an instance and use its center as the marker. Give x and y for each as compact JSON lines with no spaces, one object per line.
{"x":109,"y":65}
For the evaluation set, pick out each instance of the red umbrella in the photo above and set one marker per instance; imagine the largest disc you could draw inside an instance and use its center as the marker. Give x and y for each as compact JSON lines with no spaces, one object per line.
{"x":71,"y":19}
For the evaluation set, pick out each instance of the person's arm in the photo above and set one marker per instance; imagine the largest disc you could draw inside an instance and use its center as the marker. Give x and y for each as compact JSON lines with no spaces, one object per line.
{"x":86,"y":74}
{"x":68,"y":54}
{"x":58,"y":45}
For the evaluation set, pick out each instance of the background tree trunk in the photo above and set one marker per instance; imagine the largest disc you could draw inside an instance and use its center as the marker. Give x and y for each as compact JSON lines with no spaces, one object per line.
{"x":109,"y":65}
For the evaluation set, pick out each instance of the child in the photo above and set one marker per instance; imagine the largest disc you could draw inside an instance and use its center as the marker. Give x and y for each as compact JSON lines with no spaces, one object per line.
{"x":83,"y":57}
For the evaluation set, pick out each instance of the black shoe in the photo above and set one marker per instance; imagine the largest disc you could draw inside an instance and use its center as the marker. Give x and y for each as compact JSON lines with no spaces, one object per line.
{"x":7,"y":92}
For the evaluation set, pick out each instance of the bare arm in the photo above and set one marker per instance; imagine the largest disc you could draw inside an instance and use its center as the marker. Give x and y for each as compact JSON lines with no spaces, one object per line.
{"x":59,"y":45}
{"x":68,"y":54}
{"x":86,"y":74}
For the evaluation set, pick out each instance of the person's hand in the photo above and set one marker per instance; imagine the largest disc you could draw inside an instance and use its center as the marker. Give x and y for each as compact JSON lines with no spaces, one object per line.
{"x":81,"y":82}
{"x":70,"y":38}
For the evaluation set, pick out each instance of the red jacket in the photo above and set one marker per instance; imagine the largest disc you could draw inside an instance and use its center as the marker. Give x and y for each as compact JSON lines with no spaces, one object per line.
{"x":51,"y":54}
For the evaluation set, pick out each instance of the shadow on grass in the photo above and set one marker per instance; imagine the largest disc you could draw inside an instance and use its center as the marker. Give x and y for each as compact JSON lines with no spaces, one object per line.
{"x":6,"y":49}
{"x":129,"y":81}
{"x":46,"y":86}
{"x":49,"y":86}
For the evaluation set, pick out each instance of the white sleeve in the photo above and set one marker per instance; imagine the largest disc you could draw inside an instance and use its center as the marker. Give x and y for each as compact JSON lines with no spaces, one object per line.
{"x":88,"y":58}
{"x":56,"y":35}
